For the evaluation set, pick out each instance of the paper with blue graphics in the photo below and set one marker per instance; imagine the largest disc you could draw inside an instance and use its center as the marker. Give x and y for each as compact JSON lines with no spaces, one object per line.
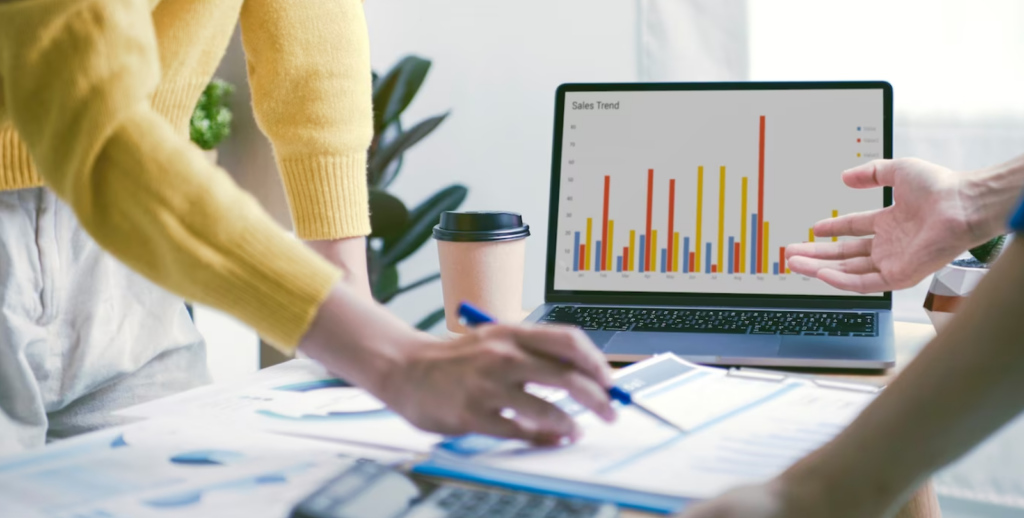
{"x":740,"y":430}
{"x":168,"y":469}
{"x":296,"y":398}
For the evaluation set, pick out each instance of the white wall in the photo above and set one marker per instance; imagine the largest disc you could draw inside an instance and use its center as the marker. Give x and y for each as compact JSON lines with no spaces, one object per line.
{"x":496,"y":67}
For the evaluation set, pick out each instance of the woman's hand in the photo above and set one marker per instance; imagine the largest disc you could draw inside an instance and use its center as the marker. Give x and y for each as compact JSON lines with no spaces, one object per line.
{"x":927,"y":227}
{"x":464,"y":385}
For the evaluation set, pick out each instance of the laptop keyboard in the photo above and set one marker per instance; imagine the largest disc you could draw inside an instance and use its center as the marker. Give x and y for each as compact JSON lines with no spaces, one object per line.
{"x":720,"y":321}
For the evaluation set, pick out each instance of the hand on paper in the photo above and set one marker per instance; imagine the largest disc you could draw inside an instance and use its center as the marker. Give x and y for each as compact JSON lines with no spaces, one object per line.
{"x":464,"y":385}
{"x":926,"y":228}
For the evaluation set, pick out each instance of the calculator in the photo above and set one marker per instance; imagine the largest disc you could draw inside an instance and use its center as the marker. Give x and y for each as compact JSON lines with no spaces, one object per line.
{"x":371,"y":490}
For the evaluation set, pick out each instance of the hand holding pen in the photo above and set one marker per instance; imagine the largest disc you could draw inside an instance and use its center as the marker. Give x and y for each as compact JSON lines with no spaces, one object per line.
{"x":469,"y":384}
{"x":474,"y":317}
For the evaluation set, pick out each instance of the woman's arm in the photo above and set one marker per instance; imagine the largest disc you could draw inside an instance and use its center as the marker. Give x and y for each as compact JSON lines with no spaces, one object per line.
{"x":78,"y":77}
{"x":965,"y":385}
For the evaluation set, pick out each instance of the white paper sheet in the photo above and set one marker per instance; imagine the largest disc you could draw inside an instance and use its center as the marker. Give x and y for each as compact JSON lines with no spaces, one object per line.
{"x":170,"y":468}
{"x":740,"y":431}
{"x":298,"y":398}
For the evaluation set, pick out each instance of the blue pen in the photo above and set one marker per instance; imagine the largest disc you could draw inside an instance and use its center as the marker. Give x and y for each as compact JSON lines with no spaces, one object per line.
{"x":473,"y":317}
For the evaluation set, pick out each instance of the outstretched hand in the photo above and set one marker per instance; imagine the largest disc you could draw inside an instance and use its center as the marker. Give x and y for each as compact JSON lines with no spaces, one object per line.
{"x":922,"y":231}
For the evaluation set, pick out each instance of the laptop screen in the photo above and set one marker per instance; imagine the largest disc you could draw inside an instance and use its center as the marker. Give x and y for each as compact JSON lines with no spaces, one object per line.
{"x":697,"y":189}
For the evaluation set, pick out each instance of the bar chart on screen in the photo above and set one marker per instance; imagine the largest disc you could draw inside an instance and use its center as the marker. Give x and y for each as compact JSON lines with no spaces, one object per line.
{"x":701,"y":191}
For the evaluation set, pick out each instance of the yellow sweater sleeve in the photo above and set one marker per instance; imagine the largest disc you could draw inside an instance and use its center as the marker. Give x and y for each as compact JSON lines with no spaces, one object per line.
{"x":309,"y":69}
{"x":77,"y":79}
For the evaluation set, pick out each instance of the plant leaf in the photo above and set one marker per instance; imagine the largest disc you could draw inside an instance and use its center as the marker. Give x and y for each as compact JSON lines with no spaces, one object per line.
{"x":381,"y":140}
{"x":421,"y":223}
{"x":430,"y":320}
{"x":989,"y":250}
{"x":388,"y":215}
{"x":395,"y":148}
{"x":387,"y":285}
{"x":396,"y":90}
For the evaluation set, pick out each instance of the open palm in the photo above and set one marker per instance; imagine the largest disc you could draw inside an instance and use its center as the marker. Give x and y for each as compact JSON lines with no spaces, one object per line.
{"x":923,"y":230}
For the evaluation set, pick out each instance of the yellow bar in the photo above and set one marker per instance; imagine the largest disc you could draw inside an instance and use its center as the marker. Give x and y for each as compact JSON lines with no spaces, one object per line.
{"x":788,"y":272}
{"x":835,"y":214}
{"x":700,"y":209}
{"x":742,"y":259}
{"x":764,"y":257}
{"x":721,"y":217}
{"x":586,"y":262}
{"x":632,"y":238}
{"x":810,"y":235}
{"x":611,"y":249}
{"x":675,"y":252}
{"x":653,"y":250}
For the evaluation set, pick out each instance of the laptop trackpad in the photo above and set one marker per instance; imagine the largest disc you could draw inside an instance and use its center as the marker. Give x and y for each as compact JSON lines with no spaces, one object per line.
{"x":695,"y":344}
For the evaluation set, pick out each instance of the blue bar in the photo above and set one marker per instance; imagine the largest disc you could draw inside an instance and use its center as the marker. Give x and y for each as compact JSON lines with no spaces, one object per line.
{"x":664,"y":259}
{"x":686,"y":255}
{"x":642,"y":259}
{"x":707,"y":262}
{"x":753,"y":244}
{"x":576,"y":253}
{"x":597,"y":256}
{"x":732,"y":250}
{"x":775,"y":268}
{"x":618,"y":264}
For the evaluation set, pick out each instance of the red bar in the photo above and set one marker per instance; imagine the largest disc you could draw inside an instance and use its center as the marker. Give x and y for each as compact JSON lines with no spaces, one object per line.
{"x":782,"y":260}
{"x":736,"y":258}
{"x":625,"y":258}
{"x":691,"y":263}
{"x":671,"y":216}
{"x":714,"y":268}
{"x":650,"y":199}
{"x":604,"y":227}
{"x":583,"y":258}
{"x":760,"y":198}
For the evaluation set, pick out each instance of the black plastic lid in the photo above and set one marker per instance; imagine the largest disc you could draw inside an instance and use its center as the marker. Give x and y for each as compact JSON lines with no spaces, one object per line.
{"x":480,"y":226}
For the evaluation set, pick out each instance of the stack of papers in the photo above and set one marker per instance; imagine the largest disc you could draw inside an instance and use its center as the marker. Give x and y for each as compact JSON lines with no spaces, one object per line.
{"x":297,"y":398}
{"x":739,"y":430}
{"x":168,"y":469}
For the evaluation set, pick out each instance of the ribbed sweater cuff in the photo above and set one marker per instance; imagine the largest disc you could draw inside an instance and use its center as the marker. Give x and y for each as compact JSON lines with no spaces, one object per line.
{"x":327,"y":196}
{"x":16,"y":168}
{"x":278,"y":288}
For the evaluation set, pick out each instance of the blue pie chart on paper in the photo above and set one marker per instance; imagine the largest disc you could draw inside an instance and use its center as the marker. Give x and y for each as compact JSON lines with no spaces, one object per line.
{"x":206,"y":458}
{"x":308,"y":386}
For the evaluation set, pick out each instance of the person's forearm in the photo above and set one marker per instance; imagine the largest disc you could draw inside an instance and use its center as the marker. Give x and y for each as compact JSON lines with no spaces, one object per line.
{"x":966,"y":384}
{"x":990,"y":195}
{"x":349,"y":255}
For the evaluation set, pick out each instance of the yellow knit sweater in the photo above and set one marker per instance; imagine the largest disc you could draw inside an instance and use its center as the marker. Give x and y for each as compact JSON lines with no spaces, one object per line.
{"x":95,"y":97}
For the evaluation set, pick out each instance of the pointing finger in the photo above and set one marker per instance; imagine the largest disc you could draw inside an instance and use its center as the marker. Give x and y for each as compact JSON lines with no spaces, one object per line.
{"x":857,"y":224}
{"x":810,"y":266}
{"x":876,"y":173}
{"x":838,"y":250}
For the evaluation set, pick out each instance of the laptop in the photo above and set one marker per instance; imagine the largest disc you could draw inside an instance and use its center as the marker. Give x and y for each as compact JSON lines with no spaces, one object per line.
{"x":671,"y":206}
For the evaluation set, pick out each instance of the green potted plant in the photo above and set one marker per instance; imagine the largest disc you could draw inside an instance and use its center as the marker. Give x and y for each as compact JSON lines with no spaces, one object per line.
{"x":398,"y":231}
{"x":211,"y":120}
{"x":955,"y":281}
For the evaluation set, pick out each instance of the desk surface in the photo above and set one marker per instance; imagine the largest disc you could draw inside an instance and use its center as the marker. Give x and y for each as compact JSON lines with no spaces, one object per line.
{"x":910,"y":339}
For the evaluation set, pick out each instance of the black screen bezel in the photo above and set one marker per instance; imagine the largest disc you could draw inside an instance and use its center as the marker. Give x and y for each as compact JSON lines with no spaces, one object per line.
{"x":883,"y":301}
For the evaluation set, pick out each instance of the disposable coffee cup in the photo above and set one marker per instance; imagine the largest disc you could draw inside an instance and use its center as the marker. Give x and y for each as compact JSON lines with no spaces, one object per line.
{"x":482,"y":255}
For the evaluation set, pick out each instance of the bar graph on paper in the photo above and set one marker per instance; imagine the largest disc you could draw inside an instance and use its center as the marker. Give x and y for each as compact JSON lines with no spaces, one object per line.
{"x":702,"y":202}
